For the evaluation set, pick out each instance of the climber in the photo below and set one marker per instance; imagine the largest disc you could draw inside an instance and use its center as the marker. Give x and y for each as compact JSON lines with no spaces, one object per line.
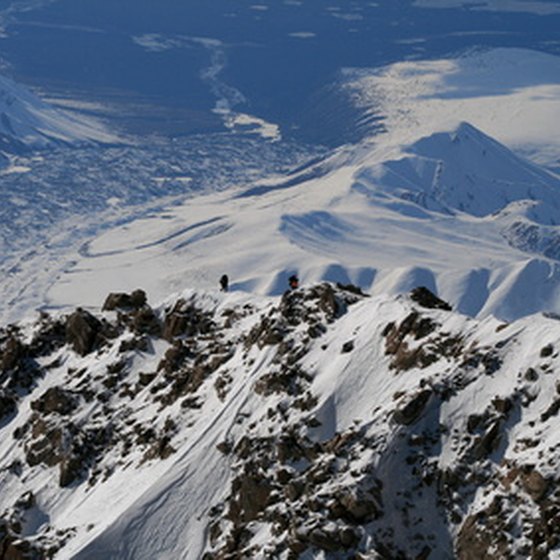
{"x":224,"y":283}
{"x":293,"y":280}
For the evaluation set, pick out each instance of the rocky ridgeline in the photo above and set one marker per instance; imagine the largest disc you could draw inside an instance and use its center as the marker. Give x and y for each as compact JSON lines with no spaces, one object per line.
{"x":421,"y":477}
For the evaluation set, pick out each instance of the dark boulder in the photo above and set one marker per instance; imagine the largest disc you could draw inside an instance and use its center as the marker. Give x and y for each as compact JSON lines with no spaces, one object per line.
{"x":120,"y":300}
{"x":82,"y":331}
{"x":55,"y":399}
{"x":425,"y":298}
{"x":186,"y":320}
{"x":410,"y":412}
{"x":8,"y":404}
{"x":145,"y":321}
{"x":251,"y":496}
{"x":12,"y":353}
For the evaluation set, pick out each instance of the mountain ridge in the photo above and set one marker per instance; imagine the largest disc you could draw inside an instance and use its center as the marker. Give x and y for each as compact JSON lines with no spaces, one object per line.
{"x":187,"y":429}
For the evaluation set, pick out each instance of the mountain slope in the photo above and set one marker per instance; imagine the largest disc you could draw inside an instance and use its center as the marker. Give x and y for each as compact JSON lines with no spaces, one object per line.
{"x":464,"y":170}
{"x":311,"y":425}
{"x":28,"y":122}
{"x":456,"y":212}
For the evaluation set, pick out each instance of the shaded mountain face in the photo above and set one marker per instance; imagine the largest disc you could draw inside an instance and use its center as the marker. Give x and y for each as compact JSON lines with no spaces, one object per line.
{"x":27,"y":122}
{"x":323,"y":422}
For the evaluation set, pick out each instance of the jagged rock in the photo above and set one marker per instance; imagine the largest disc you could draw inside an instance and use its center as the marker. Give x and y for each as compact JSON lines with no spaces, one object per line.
{"x":413,"y":409}
{"x":12,"y":353}
{"x":160,"y":449}
{"x":356,"y":290}
{"x":551,"y":411}
{"x":531,"y":375}
{"x":55,"y":399}
{"x":17,"y":549}
{"x":50,"y":336}
{"x":547,"y":351}
{"x":175,"y":357}
{"x":424,"y":297}
{"x":481,"y":537}
{"x":502,"y":405}
{"x":287,"y":380}
{"x":224,"y":447}
{"x":489,"y":441}
{"x":327,"y":301}
{"x":324,"y":539}
{"x":184,"y":319}
{"x":146,"y":378}
{"x":356,"y":505}
{"x":251,"y":496}
{"x":46,"y":445}
{"x":70,"y":468}
{"x":348,"y":347}
{"x":414,"y":325}
{"x":535,"y":485}
{"x":82,"y":331}
{"x":294,"y":490}
{"x":145,"y":321}
{"x":120,"y":300}
{"x":8,"y":403}
{"x":140,"y":343}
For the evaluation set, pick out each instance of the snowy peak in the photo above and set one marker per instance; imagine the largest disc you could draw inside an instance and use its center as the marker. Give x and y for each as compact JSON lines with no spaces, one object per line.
{"x":464,"y":170}
{"x":320,"y":423}
{"x":26,"y":121}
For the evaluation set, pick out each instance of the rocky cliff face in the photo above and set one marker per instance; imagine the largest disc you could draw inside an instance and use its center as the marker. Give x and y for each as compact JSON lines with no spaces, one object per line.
{"x":323,"y":423}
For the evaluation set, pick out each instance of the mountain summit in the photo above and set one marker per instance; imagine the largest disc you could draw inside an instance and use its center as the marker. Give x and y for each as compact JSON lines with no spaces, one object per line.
{"x":465,"y":170}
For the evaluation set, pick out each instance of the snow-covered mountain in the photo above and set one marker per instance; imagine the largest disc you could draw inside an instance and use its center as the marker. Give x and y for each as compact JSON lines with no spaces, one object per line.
{"x":456,"y":212}
{"x":356,"y":417}
{"x":26,"y":121}
{"x":435,"y":197}
{"x":318,"y":424}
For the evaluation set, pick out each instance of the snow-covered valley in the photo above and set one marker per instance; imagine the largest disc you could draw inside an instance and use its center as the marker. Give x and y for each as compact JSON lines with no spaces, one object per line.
{"x":440,"y":203}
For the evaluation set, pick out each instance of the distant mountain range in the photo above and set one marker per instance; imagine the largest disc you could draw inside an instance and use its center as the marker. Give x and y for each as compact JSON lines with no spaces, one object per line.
{"x":402,"y":403}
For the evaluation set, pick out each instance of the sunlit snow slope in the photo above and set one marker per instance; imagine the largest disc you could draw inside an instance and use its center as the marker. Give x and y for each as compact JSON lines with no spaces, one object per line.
{"x":459,"y":194}
{"x":456,"y":212}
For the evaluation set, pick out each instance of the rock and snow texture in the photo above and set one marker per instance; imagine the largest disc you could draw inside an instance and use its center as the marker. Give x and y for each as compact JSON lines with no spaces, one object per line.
{"x":318,"y":424}
{"x":26,"y":121}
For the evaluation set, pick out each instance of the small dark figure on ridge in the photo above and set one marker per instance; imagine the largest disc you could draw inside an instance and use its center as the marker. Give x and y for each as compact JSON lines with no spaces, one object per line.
{"x":224,"y":283}
{"x":293,"y":280}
